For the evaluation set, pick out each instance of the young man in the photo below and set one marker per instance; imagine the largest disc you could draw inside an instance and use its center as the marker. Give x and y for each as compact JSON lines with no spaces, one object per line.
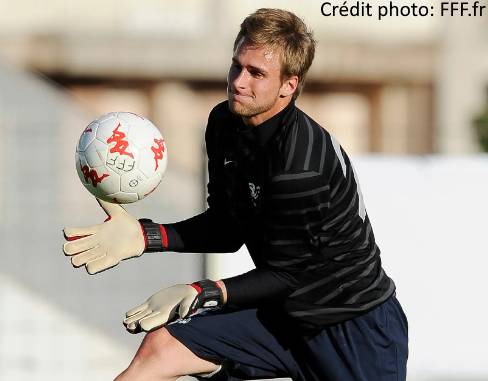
{"x":318,"y":306}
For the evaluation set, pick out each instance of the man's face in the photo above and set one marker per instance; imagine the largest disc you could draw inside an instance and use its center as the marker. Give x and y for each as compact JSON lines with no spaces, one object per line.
{"x":254,"y":82}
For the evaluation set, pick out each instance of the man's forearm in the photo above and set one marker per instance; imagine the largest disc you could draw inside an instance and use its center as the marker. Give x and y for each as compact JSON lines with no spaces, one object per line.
{"x":208,"y":232}
{"x":257,"y":286}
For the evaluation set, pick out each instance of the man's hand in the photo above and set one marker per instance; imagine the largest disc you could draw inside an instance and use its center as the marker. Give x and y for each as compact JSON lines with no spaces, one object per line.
{"x":161,"y":308}
{"x":181,"y":299}
{"x":102,"y":246}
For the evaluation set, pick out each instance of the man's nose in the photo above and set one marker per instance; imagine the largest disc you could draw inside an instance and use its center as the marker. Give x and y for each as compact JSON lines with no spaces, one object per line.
{"x":240,"y":80}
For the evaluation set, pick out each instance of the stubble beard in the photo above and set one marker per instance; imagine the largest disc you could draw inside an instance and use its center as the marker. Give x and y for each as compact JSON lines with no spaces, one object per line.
{"x":248,"y":111}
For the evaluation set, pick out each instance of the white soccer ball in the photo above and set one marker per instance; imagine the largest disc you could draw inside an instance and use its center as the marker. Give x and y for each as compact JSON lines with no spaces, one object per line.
{"x":121,"y":157}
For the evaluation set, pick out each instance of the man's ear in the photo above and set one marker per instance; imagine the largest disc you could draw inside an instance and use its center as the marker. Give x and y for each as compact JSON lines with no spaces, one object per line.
{"x":289,"y":86}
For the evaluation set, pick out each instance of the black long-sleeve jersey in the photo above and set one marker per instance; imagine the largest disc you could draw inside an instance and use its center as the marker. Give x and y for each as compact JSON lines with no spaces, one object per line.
{"x":287,"y":190}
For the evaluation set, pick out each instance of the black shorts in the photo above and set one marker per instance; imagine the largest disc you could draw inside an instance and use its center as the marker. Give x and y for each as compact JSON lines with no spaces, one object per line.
{"x":253,"y":344}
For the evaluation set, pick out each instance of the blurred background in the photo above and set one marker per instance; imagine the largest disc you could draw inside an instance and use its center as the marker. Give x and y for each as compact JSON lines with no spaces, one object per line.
{"x":405,"y":96}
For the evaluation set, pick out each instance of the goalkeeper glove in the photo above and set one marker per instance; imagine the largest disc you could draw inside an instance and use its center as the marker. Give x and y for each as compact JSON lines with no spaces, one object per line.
{"x":121,"y":236}
{"x":182,"y":300}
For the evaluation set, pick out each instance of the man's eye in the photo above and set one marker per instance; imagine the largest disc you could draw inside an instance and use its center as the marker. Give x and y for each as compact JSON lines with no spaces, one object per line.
{"x":256,"y":74}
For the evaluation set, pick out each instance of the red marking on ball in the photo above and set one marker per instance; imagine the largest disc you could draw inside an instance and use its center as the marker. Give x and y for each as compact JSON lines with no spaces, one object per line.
{"x":158,"y":151}
{"x":121,"y":143}
{"x":92,"y":175}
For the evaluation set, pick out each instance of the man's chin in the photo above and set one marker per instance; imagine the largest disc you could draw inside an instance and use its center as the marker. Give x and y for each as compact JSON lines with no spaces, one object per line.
{"x":238,"y":109}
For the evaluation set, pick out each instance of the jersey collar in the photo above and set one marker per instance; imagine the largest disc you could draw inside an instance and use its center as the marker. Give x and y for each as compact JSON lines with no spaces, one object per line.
{"x":263,"y":132}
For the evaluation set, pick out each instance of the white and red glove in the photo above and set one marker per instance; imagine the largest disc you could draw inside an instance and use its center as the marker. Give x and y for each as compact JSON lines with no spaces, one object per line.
{"x":181,"y":300}
{"x":121,"y":236}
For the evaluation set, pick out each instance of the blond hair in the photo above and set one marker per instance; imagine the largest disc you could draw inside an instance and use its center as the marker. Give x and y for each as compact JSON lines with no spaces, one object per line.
{"x":281,"y":29}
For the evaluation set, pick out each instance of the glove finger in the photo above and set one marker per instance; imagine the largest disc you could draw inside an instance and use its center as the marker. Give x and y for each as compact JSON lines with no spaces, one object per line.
{"x":80,"y":245}
{"x":100,"y":264}
{"x":110,"y":209}
{"x":137,"y":309}
{"x":133,"y":328}
{"x":185,"y":306}
{"x":83,"y":258}
{"x":131,"y":320}
{"x":79,"y":232}
{"x":155,"y":320}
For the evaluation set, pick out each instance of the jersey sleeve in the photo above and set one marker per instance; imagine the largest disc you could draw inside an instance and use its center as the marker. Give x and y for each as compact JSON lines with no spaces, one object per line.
{"x":212,"y":231}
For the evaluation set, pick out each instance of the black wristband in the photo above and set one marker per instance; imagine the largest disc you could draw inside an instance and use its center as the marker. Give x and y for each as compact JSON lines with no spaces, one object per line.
{"x":152,"y":235}
{"x":209,"y":295}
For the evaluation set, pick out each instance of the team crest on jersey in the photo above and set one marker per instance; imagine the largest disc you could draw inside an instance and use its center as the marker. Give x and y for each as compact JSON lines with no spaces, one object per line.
{"x":255,"y":191}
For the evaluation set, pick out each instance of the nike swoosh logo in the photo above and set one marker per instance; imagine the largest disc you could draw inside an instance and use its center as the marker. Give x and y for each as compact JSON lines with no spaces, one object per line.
{"x":226,"y":162}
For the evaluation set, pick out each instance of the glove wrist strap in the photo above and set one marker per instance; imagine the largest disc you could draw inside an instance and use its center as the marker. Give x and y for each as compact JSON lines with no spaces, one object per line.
{"x":155,"y":236}
{"x":209,"y":294}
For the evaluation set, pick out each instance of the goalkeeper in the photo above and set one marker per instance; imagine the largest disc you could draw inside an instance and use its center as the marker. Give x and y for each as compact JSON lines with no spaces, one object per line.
{"x":318,"y":305}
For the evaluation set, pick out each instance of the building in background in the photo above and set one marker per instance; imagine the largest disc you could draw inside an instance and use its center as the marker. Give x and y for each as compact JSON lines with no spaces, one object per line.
{"x":391,"y":86}
{"x":402,"y":85}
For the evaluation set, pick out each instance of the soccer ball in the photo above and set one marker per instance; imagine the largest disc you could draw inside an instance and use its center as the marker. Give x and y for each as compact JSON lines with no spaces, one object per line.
{"x":121,"y":157}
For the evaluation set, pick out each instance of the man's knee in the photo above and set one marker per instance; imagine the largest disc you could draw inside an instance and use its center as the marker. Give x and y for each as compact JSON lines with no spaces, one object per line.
{"x":156,"y":346}
{"x":163,"y":356}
